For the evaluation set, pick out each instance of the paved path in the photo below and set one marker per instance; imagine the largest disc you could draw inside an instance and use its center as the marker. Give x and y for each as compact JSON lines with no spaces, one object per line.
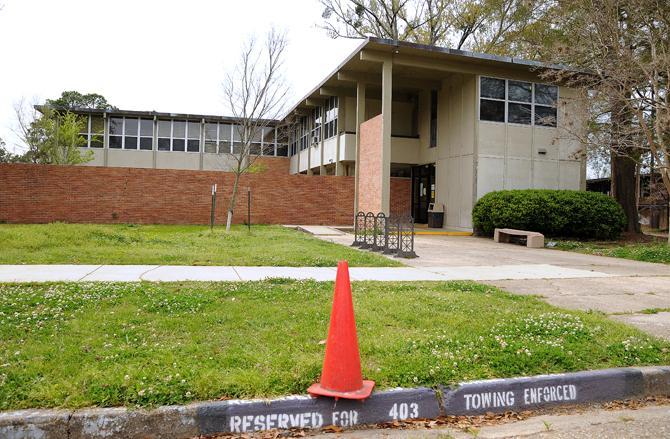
{"x":625,"y":290}
{"x":169,"y":273}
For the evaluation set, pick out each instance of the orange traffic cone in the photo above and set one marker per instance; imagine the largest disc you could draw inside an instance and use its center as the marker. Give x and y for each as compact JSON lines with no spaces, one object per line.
{"x":341,"y":376}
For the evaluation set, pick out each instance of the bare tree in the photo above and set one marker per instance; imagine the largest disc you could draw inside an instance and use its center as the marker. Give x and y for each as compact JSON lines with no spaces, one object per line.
{"x":623,"y":47}
{"x":256,"y":92}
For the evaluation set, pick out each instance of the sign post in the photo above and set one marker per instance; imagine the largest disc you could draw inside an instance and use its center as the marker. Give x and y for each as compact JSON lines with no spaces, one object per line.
{"x":249,"y":208}
{"x":211,"y":215}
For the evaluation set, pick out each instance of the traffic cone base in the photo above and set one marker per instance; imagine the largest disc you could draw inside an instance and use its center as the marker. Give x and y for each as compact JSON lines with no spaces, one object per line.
{"x":364,"y":392}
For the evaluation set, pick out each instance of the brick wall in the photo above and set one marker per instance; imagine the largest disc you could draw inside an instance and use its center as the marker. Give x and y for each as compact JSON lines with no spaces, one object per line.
{"x":401,"y":196}
{"x":46,"y":193}
{"x":370,"y":166}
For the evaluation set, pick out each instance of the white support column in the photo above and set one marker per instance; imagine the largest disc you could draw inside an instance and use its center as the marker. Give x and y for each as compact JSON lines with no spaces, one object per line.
{"x":387,"y":97}
{"x":341,"y":122}
{"x":360,"y":118}
{"x":322,"y":137}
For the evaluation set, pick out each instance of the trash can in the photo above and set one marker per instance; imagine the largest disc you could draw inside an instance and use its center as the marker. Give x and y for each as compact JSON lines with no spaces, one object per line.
{"x":435,"y":215}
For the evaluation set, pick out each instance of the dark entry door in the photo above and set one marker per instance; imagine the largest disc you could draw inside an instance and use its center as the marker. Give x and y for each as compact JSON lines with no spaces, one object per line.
{"x":423,"y":191}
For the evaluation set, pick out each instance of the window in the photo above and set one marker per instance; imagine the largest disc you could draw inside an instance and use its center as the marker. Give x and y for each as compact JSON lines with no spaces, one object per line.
{"x":179,"y":135}
{"x":517,"y":102}
{"x":211,"y":137}
{"x":115,"y":132}
{"x":492,"y":102}
{"x":317,"y":121}
{"x":331,"y":117}
{"x":93,"y":131}
{"x":433,"y":118}
{"x":193,"y":142}
{"x":164,"y":134}
{"x":225,"y":137}
{"x":269,"y":141}
{"x":546,"y":97}
{"x":146,"y":134}
{"x":303,"y":131}
{"x":130,"y":134}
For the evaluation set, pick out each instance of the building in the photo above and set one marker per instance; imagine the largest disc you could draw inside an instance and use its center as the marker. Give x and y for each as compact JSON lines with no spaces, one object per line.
{"x":456,"y":124}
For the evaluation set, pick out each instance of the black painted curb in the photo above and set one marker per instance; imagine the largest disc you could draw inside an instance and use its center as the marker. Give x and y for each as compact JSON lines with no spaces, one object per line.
{"x":240,"y":416}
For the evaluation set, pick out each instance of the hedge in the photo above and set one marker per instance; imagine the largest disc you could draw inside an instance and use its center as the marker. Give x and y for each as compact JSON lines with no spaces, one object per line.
{"x":555,"y":213}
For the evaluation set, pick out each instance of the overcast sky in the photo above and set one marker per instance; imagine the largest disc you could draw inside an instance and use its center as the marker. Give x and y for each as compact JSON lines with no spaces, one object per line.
{"x":163,"y":55}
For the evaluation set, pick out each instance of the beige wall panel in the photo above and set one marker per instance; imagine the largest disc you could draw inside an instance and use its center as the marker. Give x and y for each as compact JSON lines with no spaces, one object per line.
{"x":545,"y":174}
{"x":570,"y":175}
{"x":405,"y":150}
{"x":329,"y":151}
{"x":569,"y":149}
{"x":547,"y":139}
{"x":466,"y":170}
{"x":293,"y":164}
{"x":315,"y":156}
{"x":519,"y":141}
{"x":304,"y":160}
{"x":489,"y":175}
{"x":468,"y":114}
{"x":98,"y":156}
{"x":218,"y":162}
{"x":518,"y":174}
{"x":177,"y":160}
{"x":492,"y":138}
{"x":347,"y":147}
{"x":133,"y":159}
{"x":349,"y":115}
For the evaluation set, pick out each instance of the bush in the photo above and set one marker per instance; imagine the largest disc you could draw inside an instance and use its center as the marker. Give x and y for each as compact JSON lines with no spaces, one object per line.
{"x":556,"y":213}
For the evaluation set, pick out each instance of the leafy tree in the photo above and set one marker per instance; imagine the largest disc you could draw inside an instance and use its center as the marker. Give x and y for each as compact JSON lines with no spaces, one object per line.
{"x":70,"y":100}
{"x":492,"y":26}
{"x":52,"y":137}
{"x":5,"y":155}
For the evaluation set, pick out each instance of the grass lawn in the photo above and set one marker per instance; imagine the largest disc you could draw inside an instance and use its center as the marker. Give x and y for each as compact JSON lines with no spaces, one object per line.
{"x":653,"y":250}
{"x":59,"y":243}
{"x":144,"y":344}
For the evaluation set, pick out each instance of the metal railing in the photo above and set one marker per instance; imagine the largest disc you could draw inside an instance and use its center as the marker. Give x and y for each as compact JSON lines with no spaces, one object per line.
{"x":392,"y":235}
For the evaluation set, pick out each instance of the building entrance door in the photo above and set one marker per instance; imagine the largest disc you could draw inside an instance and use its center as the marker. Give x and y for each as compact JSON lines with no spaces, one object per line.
{"x":423,"y":191}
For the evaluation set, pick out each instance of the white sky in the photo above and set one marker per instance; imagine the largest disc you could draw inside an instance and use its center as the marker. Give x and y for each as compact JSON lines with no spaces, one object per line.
{"x":163,"y":55}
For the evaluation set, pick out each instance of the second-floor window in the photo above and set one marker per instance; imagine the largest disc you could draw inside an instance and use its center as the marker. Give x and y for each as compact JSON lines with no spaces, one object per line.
{"x":518,"y":102}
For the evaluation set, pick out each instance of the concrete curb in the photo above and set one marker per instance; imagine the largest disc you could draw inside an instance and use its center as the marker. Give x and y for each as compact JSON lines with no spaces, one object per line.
{"x":240,"y":416}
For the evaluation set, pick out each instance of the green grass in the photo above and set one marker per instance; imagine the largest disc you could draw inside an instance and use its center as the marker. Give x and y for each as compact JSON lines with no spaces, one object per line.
{"x":59,"y":243}
{"x":655,"y":251}
{"x":144,"y":344}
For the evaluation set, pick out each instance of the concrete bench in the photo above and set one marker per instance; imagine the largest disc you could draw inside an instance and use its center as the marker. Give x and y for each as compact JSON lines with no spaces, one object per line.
{"x":533,"y":239}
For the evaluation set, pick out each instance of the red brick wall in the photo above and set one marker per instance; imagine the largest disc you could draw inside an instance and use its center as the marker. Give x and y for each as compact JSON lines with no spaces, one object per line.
{"x":370,"y":166}
{"x":401,"y":196}
{"x":46,"y":193}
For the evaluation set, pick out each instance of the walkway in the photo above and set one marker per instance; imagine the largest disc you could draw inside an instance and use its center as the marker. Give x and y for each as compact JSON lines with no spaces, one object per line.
{"x":174,"y":273}
{"x":633,"y":292}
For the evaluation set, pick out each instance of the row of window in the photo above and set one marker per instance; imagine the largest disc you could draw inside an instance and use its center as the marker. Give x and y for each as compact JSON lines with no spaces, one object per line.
{"x":308,"y":129}
{"x":526,"y":103}
{"x":136,"y":133}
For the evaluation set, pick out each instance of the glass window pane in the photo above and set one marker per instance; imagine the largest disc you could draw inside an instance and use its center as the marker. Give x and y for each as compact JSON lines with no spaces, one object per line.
{"x":146,"y":128}
{"x":164,"y":128}
{"x":224,"y":131}
{"x":518,"y":113}
{"x":179,"y":129}
{"x":131,"y":127}
{"x":256,"y":134}
{"x":282,"y":150}
{"x":255,"y":149}
{"x":83,"y":120}
{"x":96,"y":142}
{"x":194,"y":130}
{"x":163,"y":144}
{"x":519,"y":91}
{"x":146,"y":143}
{"x":210,"y":147}
{"x":97,"y":125}
{"x":545,"y":116}
{"x":131,"y":143}
{"x":237,"y":147}
{"x":546,"y":94}
{"x":493,"y":88}
{"x":116,"y":125}
{"x":178,"y":144}
{"x":492,"y":110}
{"x":115,"y":141}
{"x":193,"y":145}
{"x":237,"y":132}
{"x":224,"y":147}
{"x":210,"y":131}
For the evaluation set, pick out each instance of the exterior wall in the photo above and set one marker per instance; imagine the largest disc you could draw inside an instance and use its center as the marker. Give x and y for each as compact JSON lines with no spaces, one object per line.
{"x":370,"y":166}
{"x":512,"y":156}
{"x":46,"y":193}
{"x":401,"y":196}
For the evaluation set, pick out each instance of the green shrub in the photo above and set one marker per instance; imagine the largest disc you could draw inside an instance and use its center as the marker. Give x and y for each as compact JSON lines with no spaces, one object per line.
{"x":556,"y":213}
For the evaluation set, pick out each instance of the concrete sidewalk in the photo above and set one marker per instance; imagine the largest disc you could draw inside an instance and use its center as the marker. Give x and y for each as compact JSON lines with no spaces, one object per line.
{"x":174,"y":273}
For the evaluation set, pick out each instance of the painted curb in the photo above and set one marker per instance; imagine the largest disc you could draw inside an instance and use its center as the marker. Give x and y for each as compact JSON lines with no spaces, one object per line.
{"x":242,"y":416}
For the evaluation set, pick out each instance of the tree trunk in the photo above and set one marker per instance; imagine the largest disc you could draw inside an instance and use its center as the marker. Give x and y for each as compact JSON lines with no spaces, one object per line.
{"x":231,"y":203}
{"x":624,"y":190}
